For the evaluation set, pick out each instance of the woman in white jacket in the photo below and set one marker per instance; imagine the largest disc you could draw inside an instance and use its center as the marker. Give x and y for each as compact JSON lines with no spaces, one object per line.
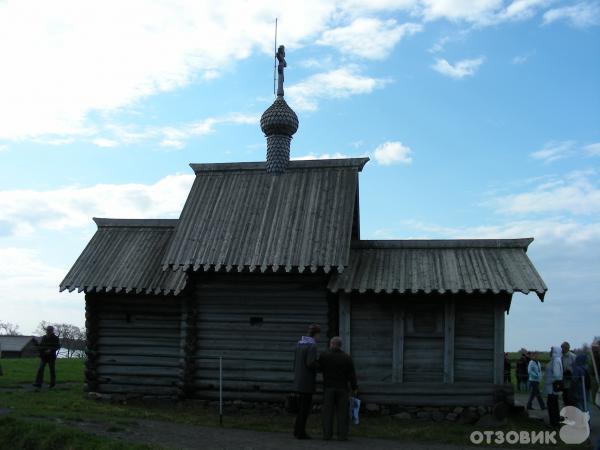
{"x":554,"y":372}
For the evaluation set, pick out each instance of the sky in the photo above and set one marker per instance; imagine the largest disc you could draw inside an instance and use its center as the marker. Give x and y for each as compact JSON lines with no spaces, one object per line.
{"x":481,"y":119}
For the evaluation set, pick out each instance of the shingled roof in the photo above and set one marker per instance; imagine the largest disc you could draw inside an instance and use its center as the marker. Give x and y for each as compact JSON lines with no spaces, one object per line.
{"x":240,"y":217}
{"x":440,"y":266}
{"x":124,"y":255}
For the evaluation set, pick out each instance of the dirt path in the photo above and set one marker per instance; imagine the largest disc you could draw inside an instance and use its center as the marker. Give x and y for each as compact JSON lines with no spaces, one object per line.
{"x":521,"y":399}
{"x":184,"y":437}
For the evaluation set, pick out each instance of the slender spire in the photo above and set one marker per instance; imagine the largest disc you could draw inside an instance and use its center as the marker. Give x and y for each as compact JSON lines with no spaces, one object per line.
{"x":279,"y":123}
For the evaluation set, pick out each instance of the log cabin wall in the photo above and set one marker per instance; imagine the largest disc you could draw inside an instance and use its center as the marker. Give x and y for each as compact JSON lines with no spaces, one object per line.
{"x":135,"y":342}
{"x":254,"y":321}
{"x":474,"y":340}
{"x":425,"y":350}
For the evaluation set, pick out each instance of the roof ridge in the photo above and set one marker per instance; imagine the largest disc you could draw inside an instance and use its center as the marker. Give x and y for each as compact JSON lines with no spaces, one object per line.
{"x":111,"y":222}
{"x":294,"y":164}
{"x":522,"y":243}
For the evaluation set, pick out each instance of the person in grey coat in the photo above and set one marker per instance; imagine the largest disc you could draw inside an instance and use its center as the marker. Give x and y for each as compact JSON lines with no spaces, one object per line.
{"x":305,"y":377}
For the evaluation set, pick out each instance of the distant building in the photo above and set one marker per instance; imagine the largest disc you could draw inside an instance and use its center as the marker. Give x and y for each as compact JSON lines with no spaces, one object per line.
{"x":18,"y":347}
{"x":261,"y":250}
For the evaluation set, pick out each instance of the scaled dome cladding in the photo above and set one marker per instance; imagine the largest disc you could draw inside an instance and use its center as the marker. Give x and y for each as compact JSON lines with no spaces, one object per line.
{"x":279,"y":118}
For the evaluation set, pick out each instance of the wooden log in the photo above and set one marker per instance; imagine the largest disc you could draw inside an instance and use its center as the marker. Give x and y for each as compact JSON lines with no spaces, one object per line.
{"x":138,"y":371}
{"x":247,"y":376}
{"x":129,"y":360}
{"x":499,"y":342}
{"x":398,"y":344}
{"x":345,"y":320}
{"x":449,"y":324}
{"x":110,"y":388}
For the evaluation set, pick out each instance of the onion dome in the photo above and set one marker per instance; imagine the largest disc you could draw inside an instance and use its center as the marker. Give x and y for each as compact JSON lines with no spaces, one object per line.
{"x":279,"y":118}
{"x":279,"y":123}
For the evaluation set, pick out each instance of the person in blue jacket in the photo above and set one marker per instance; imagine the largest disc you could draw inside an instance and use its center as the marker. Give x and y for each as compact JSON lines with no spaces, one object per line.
{"x":534,"y":374}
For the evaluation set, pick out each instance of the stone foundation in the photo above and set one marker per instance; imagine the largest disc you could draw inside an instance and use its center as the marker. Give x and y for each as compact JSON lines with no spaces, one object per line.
{"x":459,"y":414}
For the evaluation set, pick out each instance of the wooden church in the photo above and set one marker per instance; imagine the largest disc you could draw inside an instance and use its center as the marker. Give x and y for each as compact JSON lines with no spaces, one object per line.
{"x":261,"y":250}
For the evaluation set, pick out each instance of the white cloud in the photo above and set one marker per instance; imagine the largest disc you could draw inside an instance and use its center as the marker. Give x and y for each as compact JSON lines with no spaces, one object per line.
{"x":519,"y":59}
{"x":393,"y":152}
{"x":576,"y":193}
{"x":460,"y":69}
{"x":454,"y":10}
{"x":581,"y":15}
{"x":481,"y":12}
{"x":554,"y":151}
{"x":593,"y":149}
{"x":547,"y":230}
{"x":338,"y":83}
{"x":62,"y":60}
{"x":25,"y":211}
{"x":66,"y":59}
{"x":320,"y":156}
{"x":29,"y":291}
{"x":104,"y":142}
{"x":368,"y":37}
{"x":175,"y":137}
{"x":523,"y":9}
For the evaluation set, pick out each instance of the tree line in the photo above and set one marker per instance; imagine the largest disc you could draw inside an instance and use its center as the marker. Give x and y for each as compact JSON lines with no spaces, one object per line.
{"x":72,"y":338}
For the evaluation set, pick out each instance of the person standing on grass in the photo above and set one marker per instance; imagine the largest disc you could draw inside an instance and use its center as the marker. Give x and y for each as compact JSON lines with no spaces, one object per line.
{"x":305,"y":377}
{"x":552,"y":378}
{"x":339,"y":378}
{"x":507,"y":368}
{"x":534,"y":373}
{"x":568,"y":359}
{"x":580,"y":384}
{"x":522,"y":372}
{"x":48,"y":349}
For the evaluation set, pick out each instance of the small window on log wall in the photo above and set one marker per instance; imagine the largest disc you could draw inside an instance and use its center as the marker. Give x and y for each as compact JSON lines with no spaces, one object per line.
{"x":256,"y":321}
{"x":128,"y":318}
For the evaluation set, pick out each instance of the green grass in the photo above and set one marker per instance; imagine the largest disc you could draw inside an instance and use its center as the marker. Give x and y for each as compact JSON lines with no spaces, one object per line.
{"x":70,"y":403}
{"x":19,"y":434}
{"x":18,"y":372}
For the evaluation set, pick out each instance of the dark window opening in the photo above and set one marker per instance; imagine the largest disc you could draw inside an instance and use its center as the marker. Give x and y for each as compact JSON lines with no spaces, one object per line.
{"x":256,"y":321}
{"x":128,"y":318}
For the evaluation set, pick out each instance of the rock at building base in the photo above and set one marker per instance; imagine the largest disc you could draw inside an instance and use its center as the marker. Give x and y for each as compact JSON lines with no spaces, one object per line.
{"x":372,"y":407}
{"x":402,"y":416}
{"x":468,"y":417}
{"x":437,"y":416}
{"x":489,"y":421}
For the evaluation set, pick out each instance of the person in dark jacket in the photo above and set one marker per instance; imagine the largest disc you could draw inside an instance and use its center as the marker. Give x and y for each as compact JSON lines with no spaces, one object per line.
{"x":305,"y":377}
{"x":48,"y":348}
{"x":339,"y":378}
{"x":522,"y":371}
{"x":579,"y":392}
{"x":507,"y":369}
